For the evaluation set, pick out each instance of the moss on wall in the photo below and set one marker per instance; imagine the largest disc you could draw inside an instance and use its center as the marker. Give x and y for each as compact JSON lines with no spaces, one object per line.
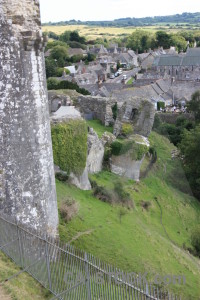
{"x":69,"y":141}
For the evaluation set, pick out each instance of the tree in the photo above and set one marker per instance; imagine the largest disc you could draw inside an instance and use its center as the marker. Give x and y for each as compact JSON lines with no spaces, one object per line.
{"x":75,"y":37}
{"x":194,"y":106}
{"x":179,"y":42}
{"x":189,"y":147}
{"x":65,"y":36}
{"x":50,"y":67}
{"x":163,"y":39}
{"x":59,"y":54}
{"x":140,"y":40}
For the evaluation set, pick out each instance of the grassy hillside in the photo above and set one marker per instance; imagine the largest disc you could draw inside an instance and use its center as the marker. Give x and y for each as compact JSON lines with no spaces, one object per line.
{"x":145,"y":240}
{"x":21,"y":287}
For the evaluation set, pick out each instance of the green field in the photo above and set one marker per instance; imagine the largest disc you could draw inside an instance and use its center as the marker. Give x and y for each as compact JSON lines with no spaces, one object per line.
{"x":140,"y":243}
{"x":91,"y":32}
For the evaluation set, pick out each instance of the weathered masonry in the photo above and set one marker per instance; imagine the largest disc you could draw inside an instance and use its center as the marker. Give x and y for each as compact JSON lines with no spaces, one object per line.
{"x":27,"y":185}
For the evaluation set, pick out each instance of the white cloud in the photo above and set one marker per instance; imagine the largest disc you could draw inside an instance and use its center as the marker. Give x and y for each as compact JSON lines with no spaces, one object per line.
{"x":112,"y":9}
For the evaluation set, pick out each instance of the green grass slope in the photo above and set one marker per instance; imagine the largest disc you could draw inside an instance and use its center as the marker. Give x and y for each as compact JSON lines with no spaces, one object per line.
{"x":146,"y":240}
{"x":22,"y":287}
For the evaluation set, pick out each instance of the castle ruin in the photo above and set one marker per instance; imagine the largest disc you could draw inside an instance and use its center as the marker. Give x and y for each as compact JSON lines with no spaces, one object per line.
{"x":27,"y":184}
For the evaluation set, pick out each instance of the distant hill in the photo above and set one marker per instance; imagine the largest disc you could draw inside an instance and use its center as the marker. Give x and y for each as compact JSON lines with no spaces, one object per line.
{"x":188,"y":18}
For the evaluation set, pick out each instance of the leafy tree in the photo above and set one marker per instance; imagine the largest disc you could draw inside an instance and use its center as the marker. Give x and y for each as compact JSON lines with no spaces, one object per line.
{"x":194,"y":105}
{"x":74,"y":44}
{"x":163,"y":39}
{"x":59,"y":52}
{"x":179,"y":42}
{"x":53,"y":35}
{"x":50,"y":67}
{"x":65,"y":36}
{"x":75,"y":37}
{"x":140,"y":40}
{"x":52,"y":44}
{"x":52,"y":84}
{"x":189,"y":147}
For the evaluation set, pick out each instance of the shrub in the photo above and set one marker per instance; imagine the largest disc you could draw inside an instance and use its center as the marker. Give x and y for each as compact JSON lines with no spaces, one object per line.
{"x":52,"y":84}
{"x":116,"y":196}
{"x":114,"y":111}
{"x":121,"y":196}
{"x":102,"y":193}
{"x":127,"y":129}
{"x":59,"y":72}
{"x":160,"y":105}
{"x":120,"y":147}
{"x":61,"y":176}
{"x":145,"y":204}
{"x":68,"y":209}
{"x":195,"y":240}
{"x":157,"y":122}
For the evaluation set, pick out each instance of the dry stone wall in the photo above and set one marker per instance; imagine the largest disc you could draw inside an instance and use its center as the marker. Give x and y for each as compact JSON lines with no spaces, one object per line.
{"x":27,"y":187}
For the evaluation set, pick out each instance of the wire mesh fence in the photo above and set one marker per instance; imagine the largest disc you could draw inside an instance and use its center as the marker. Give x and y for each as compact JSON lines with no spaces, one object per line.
{"x":70,"y":273}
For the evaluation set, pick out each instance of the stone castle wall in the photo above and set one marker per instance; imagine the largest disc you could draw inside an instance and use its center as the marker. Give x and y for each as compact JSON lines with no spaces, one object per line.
{"x":27,"y":185}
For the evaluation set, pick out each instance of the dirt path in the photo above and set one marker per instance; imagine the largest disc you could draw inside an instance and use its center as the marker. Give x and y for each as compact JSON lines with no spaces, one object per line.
{"x":3,"y":296}
{"x":80,"y":234}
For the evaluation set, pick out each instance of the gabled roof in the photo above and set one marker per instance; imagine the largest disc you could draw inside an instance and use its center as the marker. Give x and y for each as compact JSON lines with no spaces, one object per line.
{"x":169,"y":60}
{"x":191,"y":61}
{"x":193,"y":51}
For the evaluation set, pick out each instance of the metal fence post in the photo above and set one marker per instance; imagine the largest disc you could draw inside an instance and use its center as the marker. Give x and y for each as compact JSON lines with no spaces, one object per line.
{"x":87,"y":278}
{"x":20,"y":245}
{"x":47,"y":263}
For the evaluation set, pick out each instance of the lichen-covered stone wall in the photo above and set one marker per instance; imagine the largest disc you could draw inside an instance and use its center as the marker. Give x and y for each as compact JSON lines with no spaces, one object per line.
{"x":27,"y":186}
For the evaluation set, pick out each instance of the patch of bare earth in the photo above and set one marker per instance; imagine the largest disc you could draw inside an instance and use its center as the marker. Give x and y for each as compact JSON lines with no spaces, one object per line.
{"x":3,"y":296}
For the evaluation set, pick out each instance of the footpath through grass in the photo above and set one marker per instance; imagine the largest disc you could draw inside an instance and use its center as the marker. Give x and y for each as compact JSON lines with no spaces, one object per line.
{"x":142,"y":241}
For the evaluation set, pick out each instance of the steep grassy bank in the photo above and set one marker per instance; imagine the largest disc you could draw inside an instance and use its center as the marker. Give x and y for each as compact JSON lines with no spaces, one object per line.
{"x":22,"y":287}
{"x":151,"y":237}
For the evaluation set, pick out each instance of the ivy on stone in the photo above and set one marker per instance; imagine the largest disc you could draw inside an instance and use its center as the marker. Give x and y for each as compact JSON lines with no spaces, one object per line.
{"x":69,"y":140}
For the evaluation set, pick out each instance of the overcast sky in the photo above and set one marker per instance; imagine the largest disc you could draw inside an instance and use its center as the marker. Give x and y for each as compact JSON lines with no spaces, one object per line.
{"x":63,"y":10}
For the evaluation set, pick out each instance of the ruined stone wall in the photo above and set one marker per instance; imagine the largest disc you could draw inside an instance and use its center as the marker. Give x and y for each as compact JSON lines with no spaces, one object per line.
{"x":99,"y":108}
{"x":139,"y":112}
{"x":27,"y":186}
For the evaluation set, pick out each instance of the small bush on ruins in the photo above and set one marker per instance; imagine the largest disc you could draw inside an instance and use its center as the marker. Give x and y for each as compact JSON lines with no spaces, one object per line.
{"x":68,"y":209}
{"x":122,"y":146}
{"x":127,"y":129}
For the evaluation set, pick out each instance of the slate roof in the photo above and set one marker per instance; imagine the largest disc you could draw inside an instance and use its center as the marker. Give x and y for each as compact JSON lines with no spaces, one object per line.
{"x":191,"y":61}
{"x":168,"y":60}
{"x":157,"y":89}
{"x":75,"y":51}
{"x":191,"y":58}
{"x":163,"y":84}
{"x":193,"y":51}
